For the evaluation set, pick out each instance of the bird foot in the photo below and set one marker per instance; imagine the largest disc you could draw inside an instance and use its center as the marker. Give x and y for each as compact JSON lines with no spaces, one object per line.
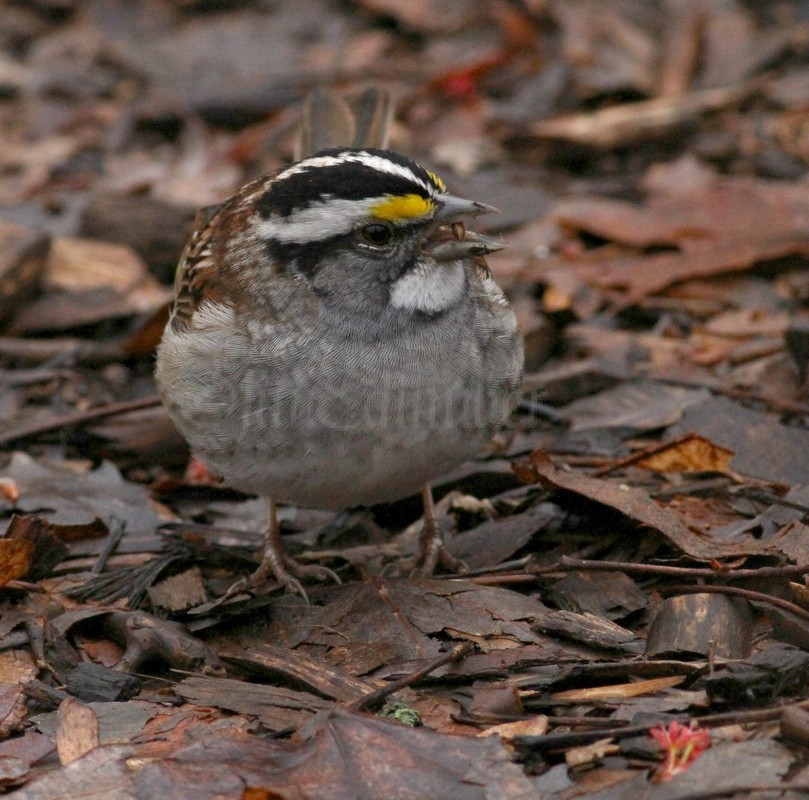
{"x":433,"y":553}
{"x":285,"y":570}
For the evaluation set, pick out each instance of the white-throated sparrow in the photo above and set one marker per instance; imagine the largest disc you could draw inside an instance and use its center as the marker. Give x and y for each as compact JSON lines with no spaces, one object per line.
{"x":337,"y":339}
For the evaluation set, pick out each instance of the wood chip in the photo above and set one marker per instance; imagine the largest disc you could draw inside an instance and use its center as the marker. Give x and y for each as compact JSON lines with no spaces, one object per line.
{"x":77,"y":733}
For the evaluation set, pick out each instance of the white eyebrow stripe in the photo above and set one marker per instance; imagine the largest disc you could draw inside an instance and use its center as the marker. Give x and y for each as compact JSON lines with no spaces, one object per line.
{"x":332,"y":216}
{"x":367,"y":159}
{"x":317,"y":222}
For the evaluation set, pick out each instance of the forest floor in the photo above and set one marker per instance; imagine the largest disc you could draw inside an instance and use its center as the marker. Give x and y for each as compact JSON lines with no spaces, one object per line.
{"x":634,"y":624}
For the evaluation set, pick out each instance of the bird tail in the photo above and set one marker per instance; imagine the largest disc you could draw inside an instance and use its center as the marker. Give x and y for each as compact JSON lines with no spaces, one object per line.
{"x":329,"y":120}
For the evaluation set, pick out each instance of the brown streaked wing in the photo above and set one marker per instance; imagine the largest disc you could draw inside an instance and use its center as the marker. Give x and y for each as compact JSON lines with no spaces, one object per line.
{"x":194,"y":270}
{"x":198,"y":275}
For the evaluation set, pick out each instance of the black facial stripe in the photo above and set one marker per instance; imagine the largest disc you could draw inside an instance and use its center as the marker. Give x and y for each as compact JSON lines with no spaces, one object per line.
{"x":349,"y":181}
{"x":305,"y":257}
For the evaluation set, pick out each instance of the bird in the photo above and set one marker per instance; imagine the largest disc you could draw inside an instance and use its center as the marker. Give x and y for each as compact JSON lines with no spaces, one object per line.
{"x":336,"y":338}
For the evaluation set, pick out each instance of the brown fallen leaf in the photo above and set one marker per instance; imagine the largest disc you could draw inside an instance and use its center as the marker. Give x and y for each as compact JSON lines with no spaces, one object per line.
{"x":144,"y":636}
{"x":609,"y":48}
{"x":535,"y":726}
{"x":13,"y":710}
{"x":63,"y":310}
{"x":629,"y":123}
{"x":49,"y":540}
{"x":638,"y":405}
{"x":179,"y":592}
{"x":76,"y":264}
{"x":12,"y":770}
{"x":103,"y":772}
{"x":70,"y":498}
{"x":350,"y":755}
{"x":17,"y":667}
{"x":277,"y":707}
{"x":171,"y":729}
{"x":16,"y":556}
{"x":28,"y":526}
{"x":403,"y":617}
{"x":793,"y":541}
{"x":22,"y":259}
{"x":634,"y":503}
{"x":577,"y":756}
{"x":717,"y":225}
{"x":763,"y":447}
{"x":77,"y":733}
{"x":688,"y":454}
{"x":29,"y":748}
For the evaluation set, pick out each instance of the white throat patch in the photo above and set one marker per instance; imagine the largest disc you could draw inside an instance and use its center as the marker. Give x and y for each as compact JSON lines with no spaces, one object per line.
{"x":429,"y":287}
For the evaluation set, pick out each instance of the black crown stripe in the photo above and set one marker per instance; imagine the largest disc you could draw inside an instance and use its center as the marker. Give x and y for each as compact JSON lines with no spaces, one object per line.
{"x":350,"y":180}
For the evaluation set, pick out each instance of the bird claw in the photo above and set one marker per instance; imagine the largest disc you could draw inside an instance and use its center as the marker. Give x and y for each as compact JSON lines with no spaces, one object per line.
{"x":432,"y":553}
{"x":435,"y":555}
{"x":287,"y":572}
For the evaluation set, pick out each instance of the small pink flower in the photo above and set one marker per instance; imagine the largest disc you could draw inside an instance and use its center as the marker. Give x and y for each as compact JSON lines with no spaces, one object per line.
{"x":682,"y":745}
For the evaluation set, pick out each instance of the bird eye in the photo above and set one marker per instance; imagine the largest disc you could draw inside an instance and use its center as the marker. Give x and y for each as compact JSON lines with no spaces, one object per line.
{"x":377,"y":234}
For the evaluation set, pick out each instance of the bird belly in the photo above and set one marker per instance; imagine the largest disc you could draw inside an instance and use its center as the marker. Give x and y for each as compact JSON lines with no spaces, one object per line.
{"x":330,"y":423}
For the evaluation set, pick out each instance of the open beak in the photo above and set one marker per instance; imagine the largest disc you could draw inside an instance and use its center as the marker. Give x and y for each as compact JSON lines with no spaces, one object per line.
{"x":454,"y":209}
{"x":449,"y":241}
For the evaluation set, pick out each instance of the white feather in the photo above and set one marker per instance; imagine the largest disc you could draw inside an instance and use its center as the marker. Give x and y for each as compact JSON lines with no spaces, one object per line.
{"x":375,"y":162}
{"x":429,"y":288}
{"x":321,"y":220}
{"x":494,"y":292}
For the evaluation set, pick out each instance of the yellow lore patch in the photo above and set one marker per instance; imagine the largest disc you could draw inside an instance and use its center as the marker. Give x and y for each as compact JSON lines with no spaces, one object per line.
{"x":402,"y":208}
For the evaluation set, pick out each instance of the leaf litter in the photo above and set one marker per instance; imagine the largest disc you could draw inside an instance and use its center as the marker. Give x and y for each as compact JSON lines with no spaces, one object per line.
{"x":637,"y":543}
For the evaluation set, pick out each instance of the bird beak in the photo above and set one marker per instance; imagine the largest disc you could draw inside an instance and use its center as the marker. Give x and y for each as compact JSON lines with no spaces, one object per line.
{"x":449,"y":240}
{"x":473,"y":244}
{"x":454,"y":209}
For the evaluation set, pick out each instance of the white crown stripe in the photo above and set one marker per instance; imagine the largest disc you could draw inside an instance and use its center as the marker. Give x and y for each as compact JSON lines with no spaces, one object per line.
{"x":378,"y":163}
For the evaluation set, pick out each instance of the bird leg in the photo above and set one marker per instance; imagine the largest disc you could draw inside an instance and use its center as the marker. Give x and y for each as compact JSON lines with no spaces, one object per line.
{"x":432,"y":550}
{"x":277,"y":563}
